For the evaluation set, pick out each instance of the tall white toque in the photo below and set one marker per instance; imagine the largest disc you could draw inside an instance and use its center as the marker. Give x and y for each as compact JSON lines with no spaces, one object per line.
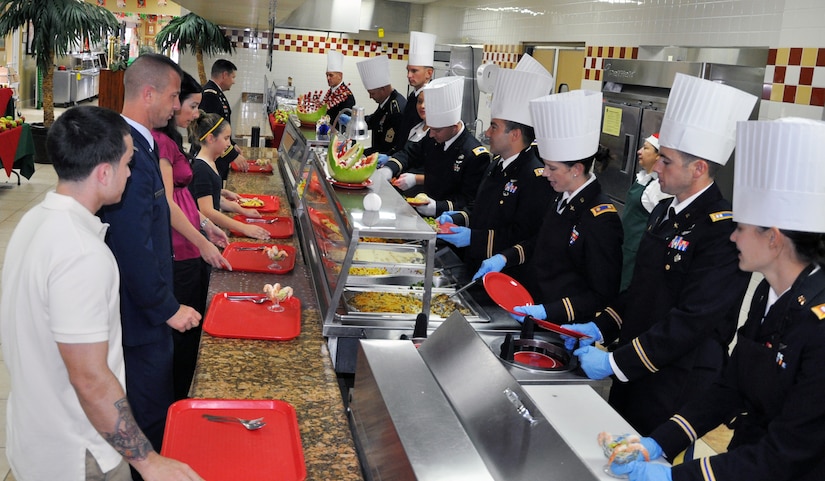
{"x":701,"y":118}
{"x":778,"y":174}
{"x":422,"y":49}
{"x":567,"y":124}
{"x":374,"y":72}
{"x":442,"y":99}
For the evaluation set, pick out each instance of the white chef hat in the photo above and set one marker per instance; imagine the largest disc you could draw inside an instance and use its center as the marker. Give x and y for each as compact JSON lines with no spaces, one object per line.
{"x":567,"y":124}
{"x":374,"y":72}
{"x":442,"y":98}
{"x":514,"y":89}
{"x":529,"y":64}
{"x":653,"y":140}
{"x":778,"y":174}
{"x":422,"y":48}
{"x":701,"y":117}
{"x":335,"y":61}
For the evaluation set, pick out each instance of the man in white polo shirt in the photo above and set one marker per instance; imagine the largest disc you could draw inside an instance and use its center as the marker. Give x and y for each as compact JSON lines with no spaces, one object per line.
{"x":67,"y":415}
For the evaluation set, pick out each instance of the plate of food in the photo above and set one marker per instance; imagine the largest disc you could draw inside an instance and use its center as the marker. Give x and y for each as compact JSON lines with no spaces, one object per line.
{"x":261,"y":203}
{"x":350,"y":186}
{"x":418,"y":200}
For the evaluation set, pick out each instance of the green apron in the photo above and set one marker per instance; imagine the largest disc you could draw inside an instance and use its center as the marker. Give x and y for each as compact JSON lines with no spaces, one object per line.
{"x":634,"y":221}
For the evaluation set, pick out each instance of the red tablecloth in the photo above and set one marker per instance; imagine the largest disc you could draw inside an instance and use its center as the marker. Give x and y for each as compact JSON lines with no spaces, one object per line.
{"x":17,"y":150}
{"x":5,"y":96}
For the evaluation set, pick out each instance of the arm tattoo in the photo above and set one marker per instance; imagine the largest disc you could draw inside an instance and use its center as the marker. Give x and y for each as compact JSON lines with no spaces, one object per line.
{"x":127,"y":438}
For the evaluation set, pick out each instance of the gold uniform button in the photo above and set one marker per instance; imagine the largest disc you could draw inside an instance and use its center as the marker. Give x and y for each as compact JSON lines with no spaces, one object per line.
{"x":667,"y":267}
{"x":500,"y":202}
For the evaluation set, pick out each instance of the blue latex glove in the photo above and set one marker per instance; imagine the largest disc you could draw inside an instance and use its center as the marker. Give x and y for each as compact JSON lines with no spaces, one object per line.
{"x":588,"y":329}
{"x":343,"y":120}
{"x":382,"y":159}
{"x":460,"y":237}
{"x":491,"y":264}
{"x":536,"y":312}
{"x":643,"y":471}
{"x":594,"y":362}
{"x":653,"y":448}
{"x":446,"y":216}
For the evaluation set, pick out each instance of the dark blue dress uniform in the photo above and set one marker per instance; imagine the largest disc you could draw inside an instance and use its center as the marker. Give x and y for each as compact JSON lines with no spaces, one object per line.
{"x":385,"y":124}
{"x":140,"y":238}
{"x":451,"y":176}
{"x":675,"y":321}
{"x":214,"y":101}
{"x":774,"y":386}
{"x":575,"y":261}
{"x":505,"y":207}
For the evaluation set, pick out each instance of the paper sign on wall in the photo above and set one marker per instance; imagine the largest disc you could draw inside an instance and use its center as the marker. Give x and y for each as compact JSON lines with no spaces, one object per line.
{"x":612,"y":124}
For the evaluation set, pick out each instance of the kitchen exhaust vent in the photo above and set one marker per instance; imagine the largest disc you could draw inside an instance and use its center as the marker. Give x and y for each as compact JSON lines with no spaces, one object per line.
{"x":349,"y":16}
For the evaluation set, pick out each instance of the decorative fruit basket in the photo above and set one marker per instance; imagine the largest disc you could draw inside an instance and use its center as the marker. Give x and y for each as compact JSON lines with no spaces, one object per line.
{"x":347,"y":162}
{"x":311,"y":108}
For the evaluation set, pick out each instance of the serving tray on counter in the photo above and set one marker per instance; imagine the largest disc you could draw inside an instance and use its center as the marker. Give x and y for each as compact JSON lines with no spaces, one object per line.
{"x":282,"y":228}
{"x":256,"y":260}
{"x":253,"y":168}
{"x":247,"y":320}
{"x":271,"y":202}
{"x":229,"y":451}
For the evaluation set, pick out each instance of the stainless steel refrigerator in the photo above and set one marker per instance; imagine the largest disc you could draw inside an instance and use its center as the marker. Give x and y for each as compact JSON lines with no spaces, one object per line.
{"x":635,"y":98}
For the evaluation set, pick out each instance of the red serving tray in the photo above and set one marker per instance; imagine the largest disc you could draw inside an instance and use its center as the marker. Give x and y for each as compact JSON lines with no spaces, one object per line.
{"x":247,"y":320}
{"x":282,"y":229}
{"x":508,"y":293}
{"x":257,"y":261}
{"x":253,"y":168}
{"x":228,"y":450}
{"x":445,"y":228}
{"x":271,"y":202}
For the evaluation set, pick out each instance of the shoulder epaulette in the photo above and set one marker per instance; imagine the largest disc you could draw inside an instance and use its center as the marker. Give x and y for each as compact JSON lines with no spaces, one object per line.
{"x":601,"y":209}
{"x":211,"y":91}
{"x":480,"y":150}
{"x":819,"y":311}
{"x":721,"y":215}
{"x":394,"y":106}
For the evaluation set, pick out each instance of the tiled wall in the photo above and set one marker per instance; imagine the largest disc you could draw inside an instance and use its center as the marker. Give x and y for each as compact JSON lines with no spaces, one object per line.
{"x":786,"y":26}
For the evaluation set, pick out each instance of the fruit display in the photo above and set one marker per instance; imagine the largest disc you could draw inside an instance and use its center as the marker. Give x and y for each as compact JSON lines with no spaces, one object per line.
{"x":311,"y":107}
{"x":9,"y":122}
{"x":347,"y":162}
{"x":280,"y":116}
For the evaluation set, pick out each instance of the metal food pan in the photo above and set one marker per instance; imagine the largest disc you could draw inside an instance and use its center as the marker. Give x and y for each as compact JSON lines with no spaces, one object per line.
{"x":390,"y":254}
{"x":379,"y":274}
{"x":352,"y":315}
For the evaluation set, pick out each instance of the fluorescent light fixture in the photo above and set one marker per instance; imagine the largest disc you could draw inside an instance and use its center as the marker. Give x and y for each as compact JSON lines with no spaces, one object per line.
{"x":525,"y":11}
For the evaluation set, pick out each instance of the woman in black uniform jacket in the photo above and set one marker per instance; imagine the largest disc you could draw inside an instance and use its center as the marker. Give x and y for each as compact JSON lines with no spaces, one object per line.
{"x":576,"y":259}
{"x":774,"y":385}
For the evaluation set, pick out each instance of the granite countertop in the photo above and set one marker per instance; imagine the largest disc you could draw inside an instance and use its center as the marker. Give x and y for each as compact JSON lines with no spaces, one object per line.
{"x":299,"y":371}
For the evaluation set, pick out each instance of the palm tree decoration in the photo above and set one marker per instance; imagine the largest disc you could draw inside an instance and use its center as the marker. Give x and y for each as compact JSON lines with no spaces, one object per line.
{"x":58,"y":25}
{"x":197,"y":35}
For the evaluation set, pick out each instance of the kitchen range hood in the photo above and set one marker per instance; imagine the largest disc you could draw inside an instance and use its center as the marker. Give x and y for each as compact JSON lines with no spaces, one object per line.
{"x":349,"y":16}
